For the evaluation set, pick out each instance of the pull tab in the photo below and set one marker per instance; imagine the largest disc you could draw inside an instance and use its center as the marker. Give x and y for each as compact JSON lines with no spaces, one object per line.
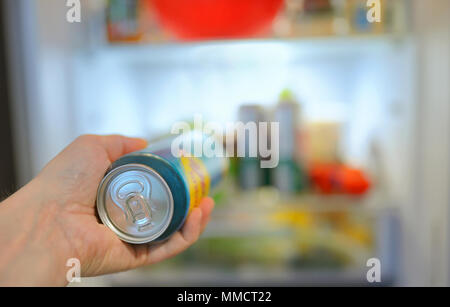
{"x":140,"y":211}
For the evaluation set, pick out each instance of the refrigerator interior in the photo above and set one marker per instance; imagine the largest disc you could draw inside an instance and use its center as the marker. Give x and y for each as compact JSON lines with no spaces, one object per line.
{"x":77,"y":83}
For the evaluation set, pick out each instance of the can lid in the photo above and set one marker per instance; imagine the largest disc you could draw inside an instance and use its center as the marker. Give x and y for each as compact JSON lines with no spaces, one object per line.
{"x":135,"y":202}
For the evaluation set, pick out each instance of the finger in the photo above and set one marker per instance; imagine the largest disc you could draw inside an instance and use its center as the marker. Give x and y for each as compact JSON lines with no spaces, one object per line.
{"x":180,"y":241}
{"x":207,"y":206}
{"x":118,"y":145}
{"x":191,"y":229}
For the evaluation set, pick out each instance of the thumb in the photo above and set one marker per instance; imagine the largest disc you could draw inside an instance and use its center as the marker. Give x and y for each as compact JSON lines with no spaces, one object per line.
{"x":118,"y":145}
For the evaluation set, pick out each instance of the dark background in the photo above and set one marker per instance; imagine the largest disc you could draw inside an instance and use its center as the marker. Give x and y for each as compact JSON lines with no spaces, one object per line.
{"x":7,"y":178}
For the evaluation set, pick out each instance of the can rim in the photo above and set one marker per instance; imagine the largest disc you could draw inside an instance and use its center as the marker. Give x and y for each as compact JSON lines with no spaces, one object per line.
{"x":100,"y":203}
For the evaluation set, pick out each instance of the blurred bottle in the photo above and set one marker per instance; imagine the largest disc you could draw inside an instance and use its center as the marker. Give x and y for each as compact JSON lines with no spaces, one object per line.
{"x":250,"y":174}
{"x":288,"y":176}
{"x":123,"y":21}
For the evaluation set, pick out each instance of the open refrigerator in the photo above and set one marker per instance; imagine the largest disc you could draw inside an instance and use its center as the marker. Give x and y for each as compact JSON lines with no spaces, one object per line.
{"x":383,"y":90}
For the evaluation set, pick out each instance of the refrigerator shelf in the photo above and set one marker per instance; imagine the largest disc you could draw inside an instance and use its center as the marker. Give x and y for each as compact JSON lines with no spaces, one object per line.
{"x":252,"y":50}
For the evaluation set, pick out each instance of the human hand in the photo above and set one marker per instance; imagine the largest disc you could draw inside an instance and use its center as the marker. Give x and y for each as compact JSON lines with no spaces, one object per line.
{"x":52,"y":219}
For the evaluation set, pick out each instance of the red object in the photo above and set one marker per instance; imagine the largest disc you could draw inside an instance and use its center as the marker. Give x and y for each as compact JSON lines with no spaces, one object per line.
{"x":207,"y":19}
{"x":339,"y":179}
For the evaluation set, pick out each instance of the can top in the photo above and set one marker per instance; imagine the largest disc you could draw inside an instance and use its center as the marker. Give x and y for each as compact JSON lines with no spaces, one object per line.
{"x":135,"y":202}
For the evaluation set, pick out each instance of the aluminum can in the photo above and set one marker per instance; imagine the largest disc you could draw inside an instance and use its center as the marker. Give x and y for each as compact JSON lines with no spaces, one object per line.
{"x":147,"y":195}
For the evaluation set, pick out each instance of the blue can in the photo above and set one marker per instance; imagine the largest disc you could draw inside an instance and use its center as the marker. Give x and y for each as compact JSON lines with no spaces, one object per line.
{"x":147,"y":195}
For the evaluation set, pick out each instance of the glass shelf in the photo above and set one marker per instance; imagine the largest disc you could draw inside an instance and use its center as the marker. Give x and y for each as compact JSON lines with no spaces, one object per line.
{"x":254,"y":51}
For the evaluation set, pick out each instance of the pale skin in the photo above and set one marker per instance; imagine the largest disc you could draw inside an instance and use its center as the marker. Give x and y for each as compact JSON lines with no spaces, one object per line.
{"x":52,"y":219}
